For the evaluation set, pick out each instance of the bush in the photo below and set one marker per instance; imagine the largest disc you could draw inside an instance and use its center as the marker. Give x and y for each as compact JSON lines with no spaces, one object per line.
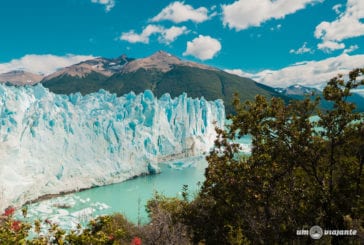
{"x":165,"y":226}
{"x":301,"y":172}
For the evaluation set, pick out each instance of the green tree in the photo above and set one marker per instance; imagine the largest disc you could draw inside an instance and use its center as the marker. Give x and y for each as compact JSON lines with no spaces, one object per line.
{"x":303,"y":170}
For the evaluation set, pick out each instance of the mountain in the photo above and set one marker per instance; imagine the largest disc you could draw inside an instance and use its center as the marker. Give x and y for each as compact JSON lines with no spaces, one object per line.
{"x":20,"y":77}
{"x":299,"y":92}
{"x":161,"y":73}
{"x":52,"y":143}
{"x":358,"y":99}
{"x":85,"y":77}
{"x":161,"y":61}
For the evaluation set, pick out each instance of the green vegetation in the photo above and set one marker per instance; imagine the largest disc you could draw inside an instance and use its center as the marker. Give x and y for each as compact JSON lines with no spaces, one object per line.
{"x":66,"y":84}
{"x":164,"y":228}
{"x":301,"y":172}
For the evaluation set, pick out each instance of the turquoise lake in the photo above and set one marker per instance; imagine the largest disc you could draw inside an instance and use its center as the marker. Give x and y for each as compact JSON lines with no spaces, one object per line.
{"x":128,"y":197}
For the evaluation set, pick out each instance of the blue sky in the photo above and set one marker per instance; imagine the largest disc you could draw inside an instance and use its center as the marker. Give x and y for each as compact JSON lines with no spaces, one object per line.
{"x":274,"y":42}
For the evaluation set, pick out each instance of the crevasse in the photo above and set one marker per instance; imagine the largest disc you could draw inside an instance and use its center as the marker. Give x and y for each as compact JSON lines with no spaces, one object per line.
{"x":52,"y":143}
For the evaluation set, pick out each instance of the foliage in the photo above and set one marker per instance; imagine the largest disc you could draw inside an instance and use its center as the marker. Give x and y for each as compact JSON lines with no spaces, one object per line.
{"x":67,"y":84}
{"x":12,"y":231}
{"x":165,"y":226}
{"x":114,"y":229}
{"x":301,"y":172}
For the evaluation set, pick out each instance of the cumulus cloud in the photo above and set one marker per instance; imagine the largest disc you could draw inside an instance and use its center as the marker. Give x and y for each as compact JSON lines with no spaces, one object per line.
{"x":349,"y":24}
{"x":143,"y":37}
{"x":337,"y":8}
{"x":180,"y":12}
{"x":243,"y":14}
{"x":109,"y":4}
{"x":42,"y":64}
{"x":328,"y":46}
{"x":203,"y":47}
{"x":239,"y":72}
{"x":170,"y":35}
{"x":302,"y":50}
{"x":309,"y":73}
{"x":352,"y":48}
{"x":165,"y":35}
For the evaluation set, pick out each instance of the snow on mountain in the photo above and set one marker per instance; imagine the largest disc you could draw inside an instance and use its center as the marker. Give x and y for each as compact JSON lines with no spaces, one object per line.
{"x":297,"y":89}
{"x":104,"y":66}
{"x":52,"y":143}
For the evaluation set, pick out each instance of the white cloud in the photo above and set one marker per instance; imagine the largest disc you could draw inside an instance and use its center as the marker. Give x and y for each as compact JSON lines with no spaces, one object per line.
{"x":302,"y":50}
{"x":171,"y":34}
{"x":180,"y":12}
{"x":42,"y":64}
{"x":308,"y":73}
{"x":243,"y":14}
{"x":109,"y":4}
{"x":337,"y":8}
{"x":167,"y":36}
{"x":352,"y":48}
{"x":328,"y":46}
{"x":348,"y":24}
{"x":239,"y":72}
{"x":203,"y":47}
{"x":143,"y":37}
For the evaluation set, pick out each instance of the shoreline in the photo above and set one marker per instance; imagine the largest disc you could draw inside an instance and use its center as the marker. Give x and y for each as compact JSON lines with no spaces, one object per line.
{"x":63,"y":193}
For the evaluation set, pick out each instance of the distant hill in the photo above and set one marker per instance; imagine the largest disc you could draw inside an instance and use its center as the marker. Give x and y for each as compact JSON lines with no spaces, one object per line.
{"x":20,"y":77}
{"x":160,"y":73}
{"x":299,"y":92}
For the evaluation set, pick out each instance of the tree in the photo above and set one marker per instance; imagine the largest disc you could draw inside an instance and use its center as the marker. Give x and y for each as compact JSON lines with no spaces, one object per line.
{"x":165,"y":226}
{"x":305,"y":169}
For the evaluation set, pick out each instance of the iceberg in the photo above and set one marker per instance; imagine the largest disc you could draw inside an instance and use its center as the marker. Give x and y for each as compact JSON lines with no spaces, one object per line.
{"x":53,"y":143}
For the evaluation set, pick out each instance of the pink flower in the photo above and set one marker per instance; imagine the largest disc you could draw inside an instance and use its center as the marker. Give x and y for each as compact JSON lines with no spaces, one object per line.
{"x":9,"y":211}
{"x":16,"y":225}
{"x":136,"y":241}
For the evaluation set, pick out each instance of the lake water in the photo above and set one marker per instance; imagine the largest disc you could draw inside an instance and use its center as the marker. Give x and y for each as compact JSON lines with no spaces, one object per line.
{"x":128,"y":198}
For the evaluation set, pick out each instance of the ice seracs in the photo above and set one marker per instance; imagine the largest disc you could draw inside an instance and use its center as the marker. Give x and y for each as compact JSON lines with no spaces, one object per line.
{"x":51,"y":143}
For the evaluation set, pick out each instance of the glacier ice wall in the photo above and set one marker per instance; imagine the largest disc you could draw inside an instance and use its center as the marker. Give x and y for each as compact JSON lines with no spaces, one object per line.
{"x":51,"y":143}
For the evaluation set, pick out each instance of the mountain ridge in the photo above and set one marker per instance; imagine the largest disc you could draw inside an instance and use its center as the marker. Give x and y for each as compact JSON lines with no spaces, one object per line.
{"x":161,"y":73}
{"x":162,"y":61}
{"x":299,"y":92}
{"x":20,"y":77}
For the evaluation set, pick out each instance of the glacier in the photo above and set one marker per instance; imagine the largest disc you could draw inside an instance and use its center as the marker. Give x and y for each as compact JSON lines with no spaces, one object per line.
{"x":52,"y":143}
